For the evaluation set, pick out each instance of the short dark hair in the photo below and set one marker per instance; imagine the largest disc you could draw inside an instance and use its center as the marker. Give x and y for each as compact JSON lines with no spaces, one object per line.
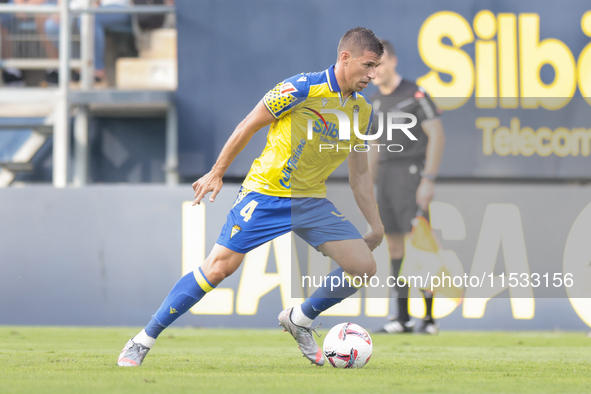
{"x":360,"y":39}
{"x":388,"y":47}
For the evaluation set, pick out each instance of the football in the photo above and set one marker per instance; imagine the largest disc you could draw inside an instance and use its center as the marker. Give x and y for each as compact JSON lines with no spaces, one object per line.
{"x":347,"y":345}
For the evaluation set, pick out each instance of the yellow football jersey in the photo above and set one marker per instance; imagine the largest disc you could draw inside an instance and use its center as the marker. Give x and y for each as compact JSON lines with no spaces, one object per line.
{"x":314,"y":131}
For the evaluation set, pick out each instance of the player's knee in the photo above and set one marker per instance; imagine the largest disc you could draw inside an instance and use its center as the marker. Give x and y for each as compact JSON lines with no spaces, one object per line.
{"x":220,"y":264}
{"x":216,"y":273}
{"x":371,"y":265}
{"x":217,"y":269}
{"x":371,"y":269}
{"x":365,"y":268}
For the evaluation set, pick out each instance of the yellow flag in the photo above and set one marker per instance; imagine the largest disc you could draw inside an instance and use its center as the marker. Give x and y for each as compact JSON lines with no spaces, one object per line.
{"x":422,"y":237}
{"x":423,"y":259}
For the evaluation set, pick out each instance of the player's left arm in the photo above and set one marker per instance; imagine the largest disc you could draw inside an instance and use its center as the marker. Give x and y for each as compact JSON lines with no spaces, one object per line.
{"x":362,"y":187}
{"x":433,"y":128}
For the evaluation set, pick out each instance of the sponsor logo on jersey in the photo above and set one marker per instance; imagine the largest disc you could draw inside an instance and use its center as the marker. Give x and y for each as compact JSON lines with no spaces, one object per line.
{"x":343,"y":131}
{"x":321,"y":126}
{"x":328,"y":131}
{"x":291,"y":165}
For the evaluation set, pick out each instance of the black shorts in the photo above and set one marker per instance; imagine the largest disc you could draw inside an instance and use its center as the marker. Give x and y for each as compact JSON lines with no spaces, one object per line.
{"x":397,"y":189}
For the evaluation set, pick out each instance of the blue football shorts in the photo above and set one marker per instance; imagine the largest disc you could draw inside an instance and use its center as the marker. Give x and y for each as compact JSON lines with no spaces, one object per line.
{"x":257,"y":218}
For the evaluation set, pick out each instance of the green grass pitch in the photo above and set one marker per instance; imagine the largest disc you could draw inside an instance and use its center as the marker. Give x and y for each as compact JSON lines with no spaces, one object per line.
{"x":188,"y":360}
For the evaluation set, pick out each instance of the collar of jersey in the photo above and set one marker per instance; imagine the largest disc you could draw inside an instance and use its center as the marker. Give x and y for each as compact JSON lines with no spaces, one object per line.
{"x":333,"y":85}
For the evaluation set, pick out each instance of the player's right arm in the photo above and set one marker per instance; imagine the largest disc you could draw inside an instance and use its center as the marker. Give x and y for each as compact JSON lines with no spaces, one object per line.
{"x":433,"y":128}
{"x":258,"y":118}
{"x":277,"y":103}
{"x":374,"y":155}
{"x":374,"y":164}
{"x":362,"y":187}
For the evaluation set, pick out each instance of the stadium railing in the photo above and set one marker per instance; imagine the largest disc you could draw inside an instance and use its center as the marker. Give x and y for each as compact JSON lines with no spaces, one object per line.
{"x":64,"y":100}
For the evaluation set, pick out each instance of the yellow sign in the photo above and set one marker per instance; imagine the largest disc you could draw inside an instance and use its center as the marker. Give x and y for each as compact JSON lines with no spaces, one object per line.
{"x":524,"y":141}
{"x":516,"y":56}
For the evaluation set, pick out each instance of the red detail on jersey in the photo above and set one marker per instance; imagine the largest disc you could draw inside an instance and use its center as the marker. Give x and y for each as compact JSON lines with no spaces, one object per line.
{"x":288,"y":88}
{"x":323,"y":121}
{"x":419,"y":94}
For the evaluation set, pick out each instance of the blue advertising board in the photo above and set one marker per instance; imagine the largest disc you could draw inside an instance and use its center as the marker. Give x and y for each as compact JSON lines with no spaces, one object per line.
{"x":513,"y":78}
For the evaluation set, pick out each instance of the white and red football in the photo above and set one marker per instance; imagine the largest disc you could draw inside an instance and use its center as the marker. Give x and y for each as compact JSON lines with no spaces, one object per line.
{"x":347,"y":345}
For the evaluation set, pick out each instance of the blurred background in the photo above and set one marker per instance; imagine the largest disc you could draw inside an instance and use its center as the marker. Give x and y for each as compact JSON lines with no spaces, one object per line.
{"x":106,"y":120}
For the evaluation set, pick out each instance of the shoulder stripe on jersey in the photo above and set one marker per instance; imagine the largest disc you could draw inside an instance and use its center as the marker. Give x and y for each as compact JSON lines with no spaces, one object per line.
{"x":366,"y":99}
{"x":429,"y":113}
{"x":369,"y":124}
{"x":328,"y":81}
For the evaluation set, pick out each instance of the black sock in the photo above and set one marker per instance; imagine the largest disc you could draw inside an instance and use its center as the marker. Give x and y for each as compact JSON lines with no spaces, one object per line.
{"x":403,"y":315}
{"x":429,"y":305}
{"x":402,"y":299}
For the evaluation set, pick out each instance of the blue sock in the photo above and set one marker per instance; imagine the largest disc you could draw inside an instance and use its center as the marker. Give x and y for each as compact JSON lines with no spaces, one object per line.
{"x":186,"y":292}
{"x":326,"y":296}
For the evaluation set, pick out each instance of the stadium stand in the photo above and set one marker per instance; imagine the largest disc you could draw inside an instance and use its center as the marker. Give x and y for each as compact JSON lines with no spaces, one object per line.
{"x":156,"y":41}
{"x":28,"y":114}
{"x":156,"y":66}
{"x":28,"y":49}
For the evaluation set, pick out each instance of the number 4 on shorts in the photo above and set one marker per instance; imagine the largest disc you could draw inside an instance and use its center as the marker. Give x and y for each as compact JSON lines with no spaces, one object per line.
{"x":248,"y":210}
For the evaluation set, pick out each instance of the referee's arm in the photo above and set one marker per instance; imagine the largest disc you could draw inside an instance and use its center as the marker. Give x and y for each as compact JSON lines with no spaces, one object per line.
{"x":433,"y":128}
